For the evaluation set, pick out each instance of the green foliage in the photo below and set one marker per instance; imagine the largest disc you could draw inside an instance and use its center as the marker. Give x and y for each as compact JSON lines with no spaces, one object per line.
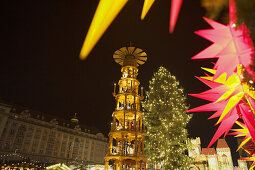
{"x":165,"y":120}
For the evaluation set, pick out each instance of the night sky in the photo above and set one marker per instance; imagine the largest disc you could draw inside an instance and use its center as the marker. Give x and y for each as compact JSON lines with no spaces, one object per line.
{"x":41,"y":70}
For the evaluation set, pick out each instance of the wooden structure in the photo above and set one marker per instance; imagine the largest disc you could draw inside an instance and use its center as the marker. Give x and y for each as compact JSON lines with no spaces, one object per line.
{"x":126,"y":138}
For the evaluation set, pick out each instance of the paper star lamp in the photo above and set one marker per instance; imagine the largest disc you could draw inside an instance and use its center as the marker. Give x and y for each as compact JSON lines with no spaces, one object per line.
{"x":241,"y":132}
{"x":175,"y":9}
{"x":146,"y":7}
{"x":231,"y":45}
{"x":228,"y":97}
{"x":250,"y":159}
{"x":250,"y":149}
{"x":107,"y":11}
{"x":231,"y":96}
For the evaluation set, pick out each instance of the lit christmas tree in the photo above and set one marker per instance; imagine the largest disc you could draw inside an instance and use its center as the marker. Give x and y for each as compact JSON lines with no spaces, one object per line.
{"x":166,"y":121}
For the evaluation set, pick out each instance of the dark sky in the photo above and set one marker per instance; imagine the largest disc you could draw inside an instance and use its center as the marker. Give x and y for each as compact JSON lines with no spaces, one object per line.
{"x":40,"y":68}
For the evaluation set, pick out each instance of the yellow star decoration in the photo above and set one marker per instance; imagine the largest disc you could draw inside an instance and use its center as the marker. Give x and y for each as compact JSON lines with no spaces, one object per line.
{"x":250,"y":159}
{"x":232,"y":84}
{"x":146,"y":7}
{"x":106,"y":12}
{"x":242,"y":132}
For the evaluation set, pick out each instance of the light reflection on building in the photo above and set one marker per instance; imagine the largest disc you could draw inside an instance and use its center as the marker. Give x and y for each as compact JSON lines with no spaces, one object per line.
{"x":211,"y":159}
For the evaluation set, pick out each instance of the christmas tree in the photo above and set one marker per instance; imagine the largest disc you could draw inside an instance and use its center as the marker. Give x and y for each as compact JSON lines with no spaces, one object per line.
{"x":165,"y":120}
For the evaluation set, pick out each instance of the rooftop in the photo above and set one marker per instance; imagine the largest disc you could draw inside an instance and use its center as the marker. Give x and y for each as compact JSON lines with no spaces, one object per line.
{"x":208,"y":151}
{"x":20,"y":111}
{"x":222,"y":144}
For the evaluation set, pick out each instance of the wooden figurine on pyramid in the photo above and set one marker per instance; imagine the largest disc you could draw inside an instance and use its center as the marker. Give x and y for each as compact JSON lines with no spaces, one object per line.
{"x":126,"y":138}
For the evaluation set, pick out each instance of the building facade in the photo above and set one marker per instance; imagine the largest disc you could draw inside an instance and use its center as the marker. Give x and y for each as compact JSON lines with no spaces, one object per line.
{"x":49,"y":141}
{"x":211,"y":159}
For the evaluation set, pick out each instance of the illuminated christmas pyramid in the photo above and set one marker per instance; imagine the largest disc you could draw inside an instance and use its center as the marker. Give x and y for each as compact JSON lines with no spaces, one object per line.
{"x":126,"y":138}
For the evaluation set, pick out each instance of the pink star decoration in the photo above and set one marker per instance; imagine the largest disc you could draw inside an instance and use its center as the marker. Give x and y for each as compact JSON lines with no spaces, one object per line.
{"x":229,"y":97}
{"x":231,"y":45}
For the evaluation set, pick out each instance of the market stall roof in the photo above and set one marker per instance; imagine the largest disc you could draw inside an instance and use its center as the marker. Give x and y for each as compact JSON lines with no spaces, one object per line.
{"x":58,"y":166}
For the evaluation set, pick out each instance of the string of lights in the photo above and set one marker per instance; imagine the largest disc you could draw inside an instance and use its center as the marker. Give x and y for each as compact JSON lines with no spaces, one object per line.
{"x":166,"y":120}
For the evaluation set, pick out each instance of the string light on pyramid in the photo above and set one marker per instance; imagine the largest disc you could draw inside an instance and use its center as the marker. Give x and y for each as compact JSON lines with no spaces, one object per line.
{"x":126,"y":138}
